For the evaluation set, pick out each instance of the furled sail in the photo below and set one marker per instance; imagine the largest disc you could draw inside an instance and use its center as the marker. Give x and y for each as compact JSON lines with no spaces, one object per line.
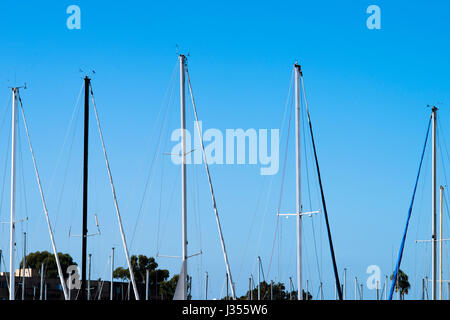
{"x":179,"y":291}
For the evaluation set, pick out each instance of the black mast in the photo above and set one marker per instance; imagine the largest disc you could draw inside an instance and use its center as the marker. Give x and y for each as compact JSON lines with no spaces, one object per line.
{"x":330,"y":239}
{"x":87,"y":83}
{"x":324,"y":205}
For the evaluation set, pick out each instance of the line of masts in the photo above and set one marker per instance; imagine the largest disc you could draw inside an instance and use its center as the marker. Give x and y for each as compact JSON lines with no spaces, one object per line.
{"x":84,"y":235}
{"x":182,"y":64}
{"x":13,"y":221}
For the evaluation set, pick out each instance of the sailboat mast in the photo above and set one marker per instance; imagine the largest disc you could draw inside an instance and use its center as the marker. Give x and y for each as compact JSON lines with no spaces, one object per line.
{"x":441,"y":234}
{"x":24,"y":263}
{"x":13,"y":196}
{"x":433,"y":206}
{"x":85,"y":186}
{"x":298,"y":182}
{"x":111,"y":291}
{"x":183,"y":174}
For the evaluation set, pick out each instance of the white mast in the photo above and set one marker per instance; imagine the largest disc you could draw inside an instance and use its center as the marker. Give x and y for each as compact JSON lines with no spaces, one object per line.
{"x":89,"y":277}
{"x":298,"y":184}
{"x":216,"y":213}
{"x":12,"y":242}
{"x":116,"y":205}
{"x":42,"y":281}
{"x":345,"y":284}
{"x":111,"y":291}
{"x":433,"y":206}
{"x":385,"y":288}
{"x":24,"y":263}
{"x":183,"y":180}
{"x":147,"y":280}
{"x":259,"y":278}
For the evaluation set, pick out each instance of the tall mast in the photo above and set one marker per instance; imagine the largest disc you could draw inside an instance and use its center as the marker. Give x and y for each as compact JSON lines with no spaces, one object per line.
{"x":111,"y":291}
{"x":89,"y":277}
{"x":24,"y":263}
{"x":345,"y":284}
{"x":433,"y":206}
{"x":298,"y":182}
{"x":85,"y":187}
{"x":183,"y":176}
{"x":42,"y":281}
{"x":441,"y":234}
{"x":12,"y":243}
{"x":385,"y":288}
{"x":259,"y":278}
{"x":147,"y":284}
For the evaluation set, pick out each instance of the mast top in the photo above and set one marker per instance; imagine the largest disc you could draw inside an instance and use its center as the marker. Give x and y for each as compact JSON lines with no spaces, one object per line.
{"x":298,"y":67}
{"x":183,"y":58}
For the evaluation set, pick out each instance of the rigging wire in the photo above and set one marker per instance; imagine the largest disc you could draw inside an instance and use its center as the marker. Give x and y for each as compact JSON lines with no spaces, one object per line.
{"x":213,"y":198}
{"x":196,"y":210}
{"x":159,"y":210}
{"x":69,"y":139}
{"x":244,"y":255}
{"x":419,"y":219}
{"x":172,"y":192}
{"x":136,"y":293}
{"x":66,"y":136}
{"x":444,"y":142}
{"x":163,"y":109}
{"x":309,"y":196}
{"x":408,"y":217}
{"x":21,"y":166}
{"x":4,"y":171}
{"x":171,"y":204}
{"x":55,"y":252}
{"x":70,"y":130}
{"x":148,"y":181}
{"x":103,"y":281}
{"x":333,"y":258}
{"x":290,"y":95}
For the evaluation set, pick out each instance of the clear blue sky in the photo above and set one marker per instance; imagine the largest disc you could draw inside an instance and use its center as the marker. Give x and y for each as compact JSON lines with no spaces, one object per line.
{"x":367,"y":89}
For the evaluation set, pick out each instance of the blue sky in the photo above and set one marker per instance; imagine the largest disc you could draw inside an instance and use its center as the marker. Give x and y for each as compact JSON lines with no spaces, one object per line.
{"x":367,"y":90}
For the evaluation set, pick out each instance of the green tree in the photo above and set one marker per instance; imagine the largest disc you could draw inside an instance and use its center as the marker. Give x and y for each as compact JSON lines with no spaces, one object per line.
{"x":34,"y":260}
{"x":157,"y":277}
{"x":279,"y":292}
{"x":402,"y":284}
{"x":167,"y":288}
